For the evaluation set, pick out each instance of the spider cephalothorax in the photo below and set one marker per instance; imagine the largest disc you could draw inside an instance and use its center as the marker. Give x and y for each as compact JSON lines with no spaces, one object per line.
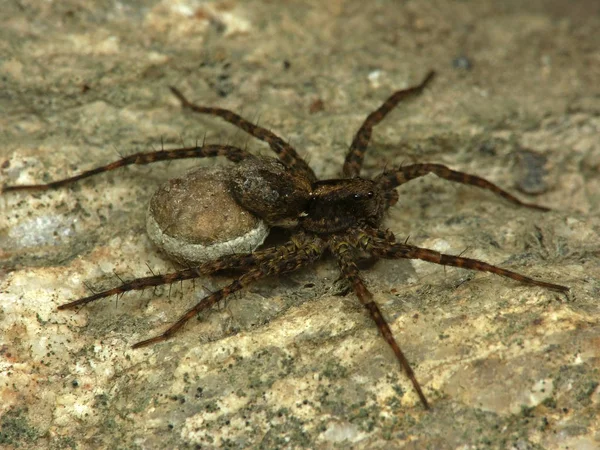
{"x":340,"y":216}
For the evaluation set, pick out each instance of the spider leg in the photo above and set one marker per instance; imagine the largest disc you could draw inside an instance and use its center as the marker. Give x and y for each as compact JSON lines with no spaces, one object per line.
{"x":203,"y":304}
{"x":356,"y":153}
{"x":232,"y":153}
{"x":137,"y":284}
{"x":390,"y":180}
{"x":344,"y":253}
{"x":379,"y":246}
{"x":286,"y":152}
{"x":299,"y":251}
{"x":243,"y":261}
{"x":289,"y":257}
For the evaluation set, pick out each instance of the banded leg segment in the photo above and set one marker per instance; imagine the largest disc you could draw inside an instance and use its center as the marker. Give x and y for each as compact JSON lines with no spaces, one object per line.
{"x":139,"y":284}
{"x":286,"y":152}
{"x":391,"y":179}
{"x":240,"y":261}
{"x":226,"y":262}
{"x":203,"y":304}
{"x":206,"y":151}
{"x":392,"y":250}
{"x":290,"y":256}
{"x":356,"y":154}
{"x":343,"y":251}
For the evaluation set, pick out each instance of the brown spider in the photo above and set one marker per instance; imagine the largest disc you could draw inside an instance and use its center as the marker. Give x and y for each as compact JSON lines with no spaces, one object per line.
{"x":341,"y":216}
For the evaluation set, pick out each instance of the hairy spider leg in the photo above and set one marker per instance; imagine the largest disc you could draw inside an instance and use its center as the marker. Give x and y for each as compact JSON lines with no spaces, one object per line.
{"x":206,"y":151}
{"x":343,"y":251}
{"x":240,"y":261}
{"x":136,"y":284}
{"x":392,"y":179}
{"x":284,"y":151}
{"x":296,"y":253}
{"x":246,"y":279}
{"x":378,"y":245}
{"x":289,"y":257}
{"x":358,"y":148}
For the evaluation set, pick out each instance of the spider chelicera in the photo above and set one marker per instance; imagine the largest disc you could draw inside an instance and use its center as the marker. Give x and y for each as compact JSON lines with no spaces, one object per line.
{"x":342,"y":217}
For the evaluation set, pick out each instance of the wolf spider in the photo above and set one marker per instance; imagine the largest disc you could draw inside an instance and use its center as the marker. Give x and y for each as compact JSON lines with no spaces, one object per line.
{"x":342,"y":216}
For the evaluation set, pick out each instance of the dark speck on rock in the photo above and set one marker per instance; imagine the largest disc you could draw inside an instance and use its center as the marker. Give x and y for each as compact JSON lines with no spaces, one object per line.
{"x":488,"y":148}
{"x":462,"y":63}
{"x":531,"y":172}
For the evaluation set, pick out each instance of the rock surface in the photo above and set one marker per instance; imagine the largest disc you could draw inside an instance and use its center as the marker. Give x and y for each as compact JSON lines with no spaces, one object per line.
{"x":290,"y":363}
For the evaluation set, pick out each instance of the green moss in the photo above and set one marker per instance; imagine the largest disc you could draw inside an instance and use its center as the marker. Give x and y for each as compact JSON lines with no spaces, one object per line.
{"x":64,"y":443}
{"x":15,"y":429}
{"x":549,"y":402}
{"x":586,"y":391}
{"x":334,"y":370}
{"x":281,"y":434}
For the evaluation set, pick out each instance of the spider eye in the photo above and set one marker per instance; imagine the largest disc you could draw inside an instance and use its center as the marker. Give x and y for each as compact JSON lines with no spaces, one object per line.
{"x":369,"y":194}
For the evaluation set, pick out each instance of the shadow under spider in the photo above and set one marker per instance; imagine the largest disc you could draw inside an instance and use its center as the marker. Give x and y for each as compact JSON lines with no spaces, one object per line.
{"x":341,"y":216}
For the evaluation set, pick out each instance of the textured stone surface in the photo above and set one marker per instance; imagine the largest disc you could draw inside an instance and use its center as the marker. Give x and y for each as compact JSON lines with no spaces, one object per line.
{"x":288,"y":364}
